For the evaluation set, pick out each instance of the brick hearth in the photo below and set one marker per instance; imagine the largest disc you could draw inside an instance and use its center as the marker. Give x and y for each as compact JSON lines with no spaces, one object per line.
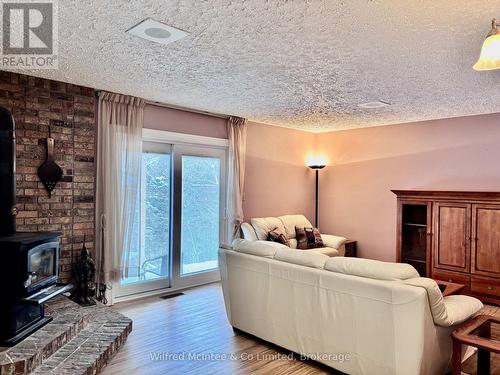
{"x":69,"y":111}
{"x":79,"y":341}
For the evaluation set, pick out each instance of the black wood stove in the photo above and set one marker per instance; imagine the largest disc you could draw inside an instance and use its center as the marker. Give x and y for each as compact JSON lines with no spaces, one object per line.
{"x":29,"y":262}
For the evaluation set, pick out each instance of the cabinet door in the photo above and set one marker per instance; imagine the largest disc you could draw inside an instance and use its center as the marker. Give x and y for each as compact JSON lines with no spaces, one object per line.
{"x":414,"y":234}
{"x":452,"y":236}
{"x":486,"y":240}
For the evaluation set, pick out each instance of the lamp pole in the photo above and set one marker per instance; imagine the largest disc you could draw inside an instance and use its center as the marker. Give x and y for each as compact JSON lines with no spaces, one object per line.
{"x":317,"y":196}
{"x":316,"y":168}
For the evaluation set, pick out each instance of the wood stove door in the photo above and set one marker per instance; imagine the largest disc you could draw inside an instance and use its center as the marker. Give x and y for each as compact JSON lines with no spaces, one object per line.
{"x":43,"y":266}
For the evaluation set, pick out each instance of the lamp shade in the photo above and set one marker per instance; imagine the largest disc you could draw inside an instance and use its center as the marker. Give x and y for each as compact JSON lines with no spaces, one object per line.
{"x":316,"y":161}
{"x":489,"y":58}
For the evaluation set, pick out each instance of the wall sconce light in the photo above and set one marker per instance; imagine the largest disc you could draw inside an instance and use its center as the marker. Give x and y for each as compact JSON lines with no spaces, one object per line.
{"x":489,"y":59}
{"x":316,"y":163}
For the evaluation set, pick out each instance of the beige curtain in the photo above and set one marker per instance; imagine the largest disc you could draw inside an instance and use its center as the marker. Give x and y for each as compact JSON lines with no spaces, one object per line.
{"x":237,"y":132}
{"x":119,"y":153}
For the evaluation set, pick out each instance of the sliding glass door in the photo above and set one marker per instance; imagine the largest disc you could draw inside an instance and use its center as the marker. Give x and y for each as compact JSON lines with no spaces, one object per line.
{"x":180,"y":222}
{"x":198,"y":213}
{"x":147,"y":264}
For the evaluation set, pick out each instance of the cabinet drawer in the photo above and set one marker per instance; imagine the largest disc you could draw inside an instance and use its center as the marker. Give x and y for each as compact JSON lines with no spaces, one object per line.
{"x":485,"y":285}
{"x":451,"y":277}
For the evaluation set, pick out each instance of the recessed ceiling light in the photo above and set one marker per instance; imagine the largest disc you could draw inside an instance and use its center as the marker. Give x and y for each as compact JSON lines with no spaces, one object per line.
{"x":157,"y":32}
{"x":373,"y":105}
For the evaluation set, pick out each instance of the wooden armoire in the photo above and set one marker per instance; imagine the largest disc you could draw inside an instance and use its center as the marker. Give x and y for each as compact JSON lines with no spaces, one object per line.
{"x":452,"y":236}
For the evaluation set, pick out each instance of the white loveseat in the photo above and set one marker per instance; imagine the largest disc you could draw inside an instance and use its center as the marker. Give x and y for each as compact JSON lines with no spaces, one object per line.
{"x":359,"y":316}
{"x":258,"y":229}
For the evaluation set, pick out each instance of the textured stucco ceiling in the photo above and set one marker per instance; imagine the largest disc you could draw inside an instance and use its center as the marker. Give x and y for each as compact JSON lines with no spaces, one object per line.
{"x":299,"y":64}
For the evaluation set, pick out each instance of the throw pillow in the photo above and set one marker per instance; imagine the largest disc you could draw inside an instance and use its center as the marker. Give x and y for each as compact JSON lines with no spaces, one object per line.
{"x":276,"y":236}
{"x":308,"y":238}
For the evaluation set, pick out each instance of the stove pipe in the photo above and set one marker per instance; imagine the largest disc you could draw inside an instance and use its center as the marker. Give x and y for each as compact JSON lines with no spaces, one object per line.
{"x":8,"y":210}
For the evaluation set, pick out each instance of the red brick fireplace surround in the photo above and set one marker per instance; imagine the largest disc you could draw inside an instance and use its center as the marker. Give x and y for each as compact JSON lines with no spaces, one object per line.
{"x":69,"y":112}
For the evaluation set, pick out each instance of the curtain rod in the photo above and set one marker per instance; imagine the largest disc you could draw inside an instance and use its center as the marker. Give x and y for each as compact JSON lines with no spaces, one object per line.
{"x":179,"y":108}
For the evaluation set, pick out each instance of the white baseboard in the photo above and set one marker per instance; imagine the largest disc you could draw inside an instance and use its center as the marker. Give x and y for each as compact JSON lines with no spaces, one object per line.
{"x":157,"y":292}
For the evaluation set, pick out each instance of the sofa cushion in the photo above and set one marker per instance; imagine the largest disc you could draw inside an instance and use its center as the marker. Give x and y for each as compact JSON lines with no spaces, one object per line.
{"x":292,"y":221}
{"x":308,"y":238}
{"x":259,"y":248}
{"x":263,"y":225}
{"x":303,"y":258}
{"x":276,"y":236}
{"x":372,"y":269}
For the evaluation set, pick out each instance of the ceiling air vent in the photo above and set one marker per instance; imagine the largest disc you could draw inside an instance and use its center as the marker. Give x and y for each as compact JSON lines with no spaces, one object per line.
{"x":158,"y":32}
{"x":373,"y":105}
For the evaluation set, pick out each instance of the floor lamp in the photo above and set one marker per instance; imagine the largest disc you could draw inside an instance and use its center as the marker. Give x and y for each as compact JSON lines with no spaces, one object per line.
{"x":316,"y":166}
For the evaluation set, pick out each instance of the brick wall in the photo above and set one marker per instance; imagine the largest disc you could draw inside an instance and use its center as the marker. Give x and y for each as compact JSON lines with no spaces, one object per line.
{"x":69,"y":112}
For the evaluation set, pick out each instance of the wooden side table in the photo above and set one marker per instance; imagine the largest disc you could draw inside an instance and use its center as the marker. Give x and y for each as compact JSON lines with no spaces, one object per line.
{"x":482,"y":332}
{"x":448,"y":288}
{"x":351,"y":249}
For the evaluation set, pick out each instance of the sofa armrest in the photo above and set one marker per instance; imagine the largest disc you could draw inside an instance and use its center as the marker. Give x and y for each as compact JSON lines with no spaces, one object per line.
{"x":333,"y":241}
{"x":446,"y":311}
{"x":459,"y":308}
{"x":248,"y":233}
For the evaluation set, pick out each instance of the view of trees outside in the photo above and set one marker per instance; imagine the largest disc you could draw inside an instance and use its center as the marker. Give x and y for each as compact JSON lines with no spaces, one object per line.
{"x":156,"y":168}
{"x":148,"y":258}
{"x":200,"y":213}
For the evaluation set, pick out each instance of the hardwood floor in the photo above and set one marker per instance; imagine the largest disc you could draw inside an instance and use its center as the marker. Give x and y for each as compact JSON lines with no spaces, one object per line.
{"x":196,"y":323}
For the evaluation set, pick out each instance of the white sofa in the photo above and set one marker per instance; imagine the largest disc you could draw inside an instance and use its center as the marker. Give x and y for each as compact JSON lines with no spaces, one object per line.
{"x":258,"y":229}
{"x":358,"y":316}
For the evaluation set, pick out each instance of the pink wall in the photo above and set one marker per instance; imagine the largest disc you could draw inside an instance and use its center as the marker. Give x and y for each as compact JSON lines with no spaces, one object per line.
{"x":277,"y":182}
{"x":174,"y":120}
{"x":355,"y":197}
